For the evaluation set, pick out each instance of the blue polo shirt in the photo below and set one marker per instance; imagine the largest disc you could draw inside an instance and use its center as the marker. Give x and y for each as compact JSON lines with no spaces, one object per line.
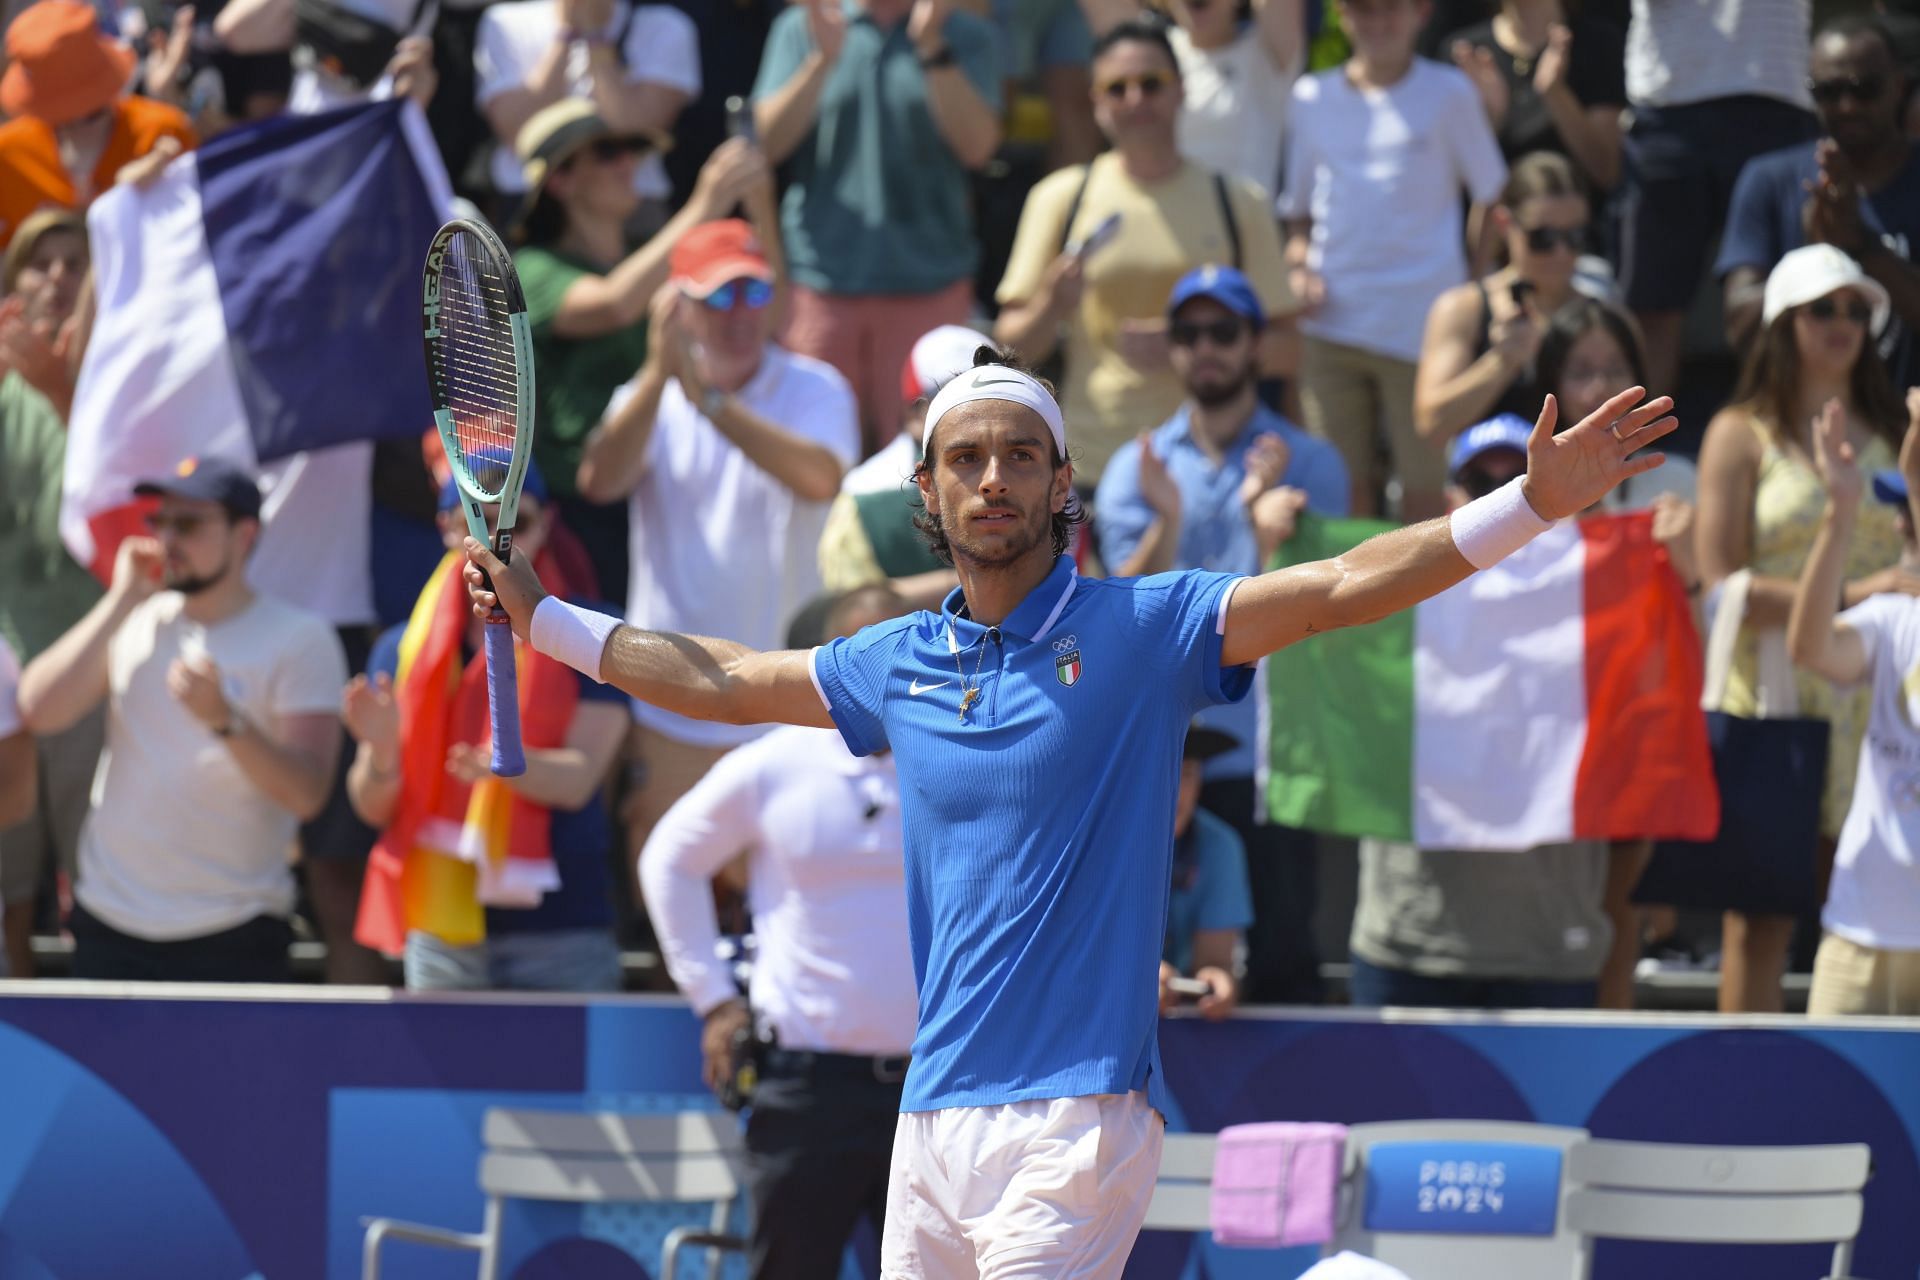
{"x":1039,"y":828}
{"x":1214,"y":530}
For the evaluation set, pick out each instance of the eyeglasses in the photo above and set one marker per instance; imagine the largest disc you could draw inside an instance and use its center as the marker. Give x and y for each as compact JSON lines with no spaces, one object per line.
{"x":183,"y":525}
{"x":755,"y":293}
{"x":1859,"y":88}
{"x":1221,"y":333}
{"x":1826,"y":309}
{"x":1543,"y":239}
{"x":1149,"y":83}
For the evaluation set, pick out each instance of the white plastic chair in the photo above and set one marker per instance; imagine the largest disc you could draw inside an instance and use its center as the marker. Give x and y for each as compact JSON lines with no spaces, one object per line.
{"x":1719,"y":1195}
{"x":677,"y":1157}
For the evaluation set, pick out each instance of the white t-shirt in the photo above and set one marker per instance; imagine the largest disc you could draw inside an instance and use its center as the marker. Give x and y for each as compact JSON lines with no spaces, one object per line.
{"x":718,"y":547}
{"x":179,"y":843}
{"x":9,"y":691}
{"x":1380,"y":172}
{"x":316,"y":533}
{"x":1875,"y":896}
{"x":888,"y":471}
{"x":662,"y":46}
{"x":1682,"y":51}
{"x":826,"y":882}
{"x":1235,"y":113}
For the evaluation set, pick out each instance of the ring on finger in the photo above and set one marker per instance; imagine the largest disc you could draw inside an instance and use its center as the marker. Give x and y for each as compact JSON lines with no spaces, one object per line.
{"x":1613,"y":429}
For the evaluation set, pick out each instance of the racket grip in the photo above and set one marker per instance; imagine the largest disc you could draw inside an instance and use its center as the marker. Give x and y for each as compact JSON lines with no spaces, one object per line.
{"x":503,"y":699}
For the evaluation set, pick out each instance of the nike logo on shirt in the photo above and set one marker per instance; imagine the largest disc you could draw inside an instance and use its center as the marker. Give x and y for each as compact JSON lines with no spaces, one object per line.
{"x":916,"y":688}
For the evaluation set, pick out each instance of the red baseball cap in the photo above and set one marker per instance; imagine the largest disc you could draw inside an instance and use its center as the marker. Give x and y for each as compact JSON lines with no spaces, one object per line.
{"x":714,"y":253}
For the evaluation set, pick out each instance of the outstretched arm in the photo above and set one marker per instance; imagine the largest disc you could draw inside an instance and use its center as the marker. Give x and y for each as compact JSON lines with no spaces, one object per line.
{"x":694,"y":676}
{"x":1566,"y":474}
{"x":1817,"y":639}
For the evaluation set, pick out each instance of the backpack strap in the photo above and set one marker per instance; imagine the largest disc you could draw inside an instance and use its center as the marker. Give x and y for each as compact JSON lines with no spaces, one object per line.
{"x":1226,"y":215}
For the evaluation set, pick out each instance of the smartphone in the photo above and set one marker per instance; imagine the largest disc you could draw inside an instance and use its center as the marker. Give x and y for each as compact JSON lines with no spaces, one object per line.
{"x":740,"y":120}
{"x":1109,"y":228}
{"x":1188,"y":988}
{"x":1521,"y":291}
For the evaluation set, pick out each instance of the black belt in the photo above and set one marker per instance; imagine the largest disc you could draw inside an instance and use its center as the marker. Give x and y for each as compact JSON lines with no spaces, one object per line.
{"x":891,"y":1069}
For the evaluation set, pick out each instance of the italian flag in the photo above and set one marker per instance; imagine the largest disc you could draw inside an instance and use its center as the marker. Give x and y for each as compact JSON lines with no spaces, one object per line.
{"x":1553,"y":697}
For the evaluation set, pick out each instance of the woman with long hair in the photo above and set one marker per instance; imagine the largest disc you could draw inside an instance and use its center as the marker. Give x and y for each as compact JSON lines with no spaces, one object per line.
{"x":1480,"y":354}
{"x":1761,"y":502}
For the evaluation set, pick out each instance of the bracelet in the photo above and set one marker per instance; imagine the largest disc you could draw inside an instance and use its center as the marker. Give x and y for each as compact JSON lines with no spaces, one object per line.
{"x":571,"y":634}
{"x":1488,"y":530}
{"x":942,"y":57}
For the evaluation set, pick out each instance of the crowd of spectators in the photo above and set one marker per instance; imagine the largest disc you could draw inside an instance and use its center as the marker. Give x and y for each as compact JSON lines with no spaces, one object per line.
{"x":1285,"y":260}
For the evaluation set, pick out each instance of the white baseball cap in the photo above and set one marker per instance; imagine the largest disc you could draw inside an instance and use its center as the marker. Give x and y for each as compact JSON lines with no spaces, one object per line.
{"x":1812,"y":272}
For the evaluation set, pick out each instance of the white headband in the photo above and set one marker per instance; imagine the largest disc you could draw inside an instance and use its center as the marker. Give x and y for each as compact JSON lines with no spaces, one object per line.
{"x":996,"y":382}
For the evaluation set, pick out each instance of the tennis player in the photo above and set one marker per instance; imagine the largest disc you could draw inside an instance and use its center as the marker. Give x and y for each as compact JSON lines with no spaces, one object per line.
{"x":1037,"y":720}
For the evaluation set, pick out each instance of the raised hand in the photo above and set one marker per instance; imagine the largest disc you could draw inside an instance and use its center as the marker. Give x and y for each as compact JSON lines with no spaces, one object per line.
{"x":1551,"y":71}
{"x":167,"y":55}
{"x":412,"y":70}
{"x":136,"y":568}
{"x":1156,"y":486}
{"x":468,"y":763}
{"x":1569,"y":472}
{"x":1275,"y":515}
{"x":828,"y":27}
{"x":195,"y":685}
{"x":1267,"y":460}
{"x":370,"y":712}
{"x":1833,"y":456}
{"x":925,"y":22}
{"x":1673,"y":529}
{"x":516,"y":587}
{"x":1480,"y":67}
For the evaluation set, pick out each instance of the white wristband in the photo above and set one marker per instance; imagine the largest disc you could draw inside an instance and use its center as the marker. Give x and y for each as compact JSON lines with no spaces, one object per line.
{"x":1488,"y":530}
{"x":571,"y":634}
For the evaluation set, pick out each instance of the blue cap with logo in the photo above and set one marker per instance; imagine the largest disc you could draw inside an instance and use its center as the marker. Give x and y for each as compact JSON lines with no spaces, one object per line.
{"x":532,"y":485}
{"x":1504,"y":431}
{"x":208,"y":480}
{"x":1224,"y":285}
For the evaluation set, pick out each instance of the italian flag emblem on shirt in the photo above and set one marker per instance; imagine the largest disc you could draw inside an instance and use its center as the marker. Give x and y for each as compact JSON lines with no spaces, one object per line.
{"x":1067,"y":667}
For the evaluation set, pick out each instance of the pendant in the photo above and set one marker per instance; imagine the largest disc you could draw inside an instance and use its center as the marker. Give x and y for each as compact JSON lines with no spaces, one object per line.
{"x":967,"y":698}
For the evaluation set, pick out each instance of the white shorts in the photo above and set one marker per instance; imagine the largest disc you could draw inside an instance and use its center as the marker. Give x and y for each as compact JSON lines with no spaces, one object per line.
{"x":1052,"y":1188}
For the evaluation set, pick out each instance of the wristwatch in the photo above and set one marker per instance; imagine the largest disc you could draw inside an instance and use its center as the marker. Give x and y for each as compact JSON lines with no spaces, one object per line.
{"x":712,"y":401}
{"x":231,"y":727}
{"x":943,"y":57}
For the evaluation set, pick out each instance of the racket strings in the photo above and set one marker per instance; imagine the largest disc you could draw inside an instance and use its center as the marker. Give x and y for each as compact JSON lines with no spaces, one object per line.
{"x":478,"y":370}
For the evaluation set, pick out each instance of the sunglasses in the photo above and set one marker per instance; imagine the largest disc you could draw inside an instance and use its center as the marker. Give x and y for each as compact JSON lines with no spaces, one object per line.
{"x":1859,"y":88}
{"x":1477,"y":483}
{"x":1150,"y":84}
{"x":607,"y":150}
{"x":1221,"y":333}
{"x":755,"y":293}
{"x":1544,"y":239}
{"x":1826,"y":309}
{"x":184,"y":525}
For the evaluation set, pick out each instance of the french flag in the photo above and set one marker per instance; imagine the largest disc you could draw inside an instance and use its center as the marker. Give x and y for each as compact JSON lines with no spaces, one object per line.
{"x":260,"y":299}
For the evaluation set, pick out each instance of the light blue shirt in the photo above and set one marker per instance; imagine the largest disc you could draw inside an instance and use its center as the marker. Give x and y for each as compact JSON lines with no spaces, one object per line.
{"x":1216,"y":894}
{"x":1214,"y":530}
{"x":1039,"y":828}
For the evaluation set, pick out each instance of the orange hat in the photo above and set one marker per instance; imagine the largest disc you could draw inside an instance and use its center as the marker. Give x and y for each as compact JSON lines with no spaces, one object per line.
{"x":60,"y":67}
{"x":715,"y":252}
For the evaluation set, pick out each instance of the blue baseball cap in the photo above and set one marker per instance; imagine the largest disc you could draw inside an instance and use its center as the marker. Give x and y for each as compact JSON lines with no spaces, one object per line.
{"x":208,"y":480}
{"x":1890,"y":487}
{"x":1225,"y":286}
{"x":1504,"y":431}
{"x":533,"y":485}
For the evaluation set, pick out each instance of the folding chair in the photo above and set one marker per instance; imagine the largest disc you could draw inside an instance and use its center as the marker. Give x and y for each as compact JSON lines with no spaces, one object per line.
{"x":680,"y":1157}
{"x":1461,"y":1199}
{"x":1719,"y":1195}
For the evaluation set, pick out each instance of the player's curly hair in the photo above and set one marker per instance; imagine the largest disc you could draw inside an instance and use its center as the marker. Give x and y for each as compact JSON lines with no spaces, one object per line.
{"x":1065,"y":520}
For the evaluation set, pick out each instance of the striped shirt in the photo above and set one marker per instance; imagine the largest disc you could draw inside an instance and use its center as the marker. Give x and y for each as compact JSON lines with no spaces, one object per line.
{"x":1684,"y":51}
{"x":1039,"y":821}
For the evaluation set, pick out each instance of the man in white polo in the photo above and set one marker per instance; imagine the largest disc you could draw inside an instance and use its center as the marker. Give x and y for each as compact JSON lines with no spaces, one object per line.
{"x":1038,"y":720}
{"x":832,"y":997}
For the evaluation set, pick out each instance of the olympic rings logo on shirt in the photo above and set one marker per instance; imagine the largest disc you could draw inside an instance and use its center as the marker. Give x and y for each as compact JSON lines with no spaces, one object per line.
{"x":1065,"y":643}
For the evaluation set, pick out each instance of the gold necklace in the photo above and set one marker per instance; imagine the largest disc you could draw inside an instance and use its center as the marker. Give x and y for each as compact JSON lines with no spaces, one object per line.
{"x":970,"y":692}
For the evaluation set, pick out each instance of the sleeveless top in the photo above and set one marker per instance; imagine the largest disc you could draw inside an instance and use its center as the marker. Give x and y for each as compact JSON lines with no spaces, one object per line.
{"x":1524,"y":395}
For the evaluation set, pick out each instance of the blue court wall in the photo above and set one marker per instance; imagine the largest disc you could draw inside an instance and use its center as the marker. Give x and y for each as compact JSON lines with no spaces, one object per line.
{"x":224,"y":1138}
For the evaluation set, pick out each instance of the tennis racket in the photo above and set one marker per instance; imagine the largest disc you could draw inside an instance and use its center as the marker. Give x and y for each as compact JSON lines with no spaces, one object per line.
{"x":480,"y":369}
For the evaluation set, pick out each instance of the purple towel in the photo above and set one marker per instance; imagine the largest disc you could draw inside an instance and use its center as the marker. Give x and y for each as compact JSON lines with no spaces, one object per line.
{"x":1277,"y":1184}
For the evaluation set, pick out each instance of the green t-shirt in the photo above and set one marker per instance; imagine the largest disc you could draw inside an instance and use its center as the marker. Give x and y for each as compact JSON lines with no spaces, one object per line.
{"x":876,"y":202}
{"x":573,"y":378}
{"x":43,"y":590}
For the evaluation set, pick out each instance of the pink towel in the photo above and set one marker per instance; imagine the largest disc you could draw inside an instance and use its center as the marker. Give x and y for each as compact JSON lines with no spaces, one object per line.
{"x":1276,"y":1184}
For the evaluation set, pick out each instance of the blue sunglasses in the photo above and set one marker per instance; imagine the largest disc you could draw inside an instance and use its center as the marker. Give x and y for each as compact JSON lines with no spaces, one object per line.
{"x":755,"y":293}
